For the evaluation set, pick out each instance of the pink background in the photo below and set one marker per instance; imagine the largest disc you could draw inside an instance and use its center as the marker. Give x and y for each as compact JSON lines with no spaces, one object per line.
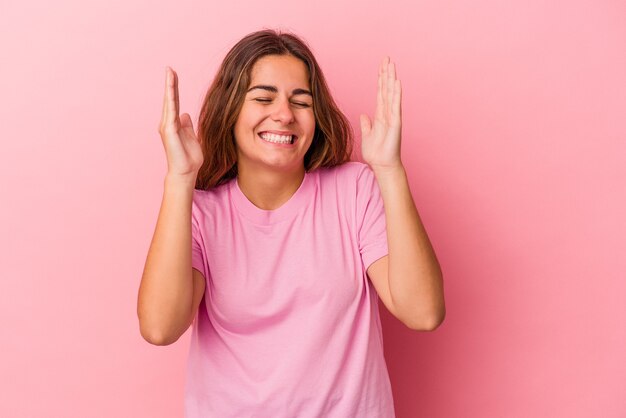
{"x":514,"y":137}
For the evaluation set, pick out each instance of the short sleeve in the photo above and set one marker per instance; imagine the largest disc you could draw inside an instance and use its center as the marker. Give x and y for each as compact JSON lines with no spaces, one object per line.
{"x":197,"y":247}
{"x":372,"y":226}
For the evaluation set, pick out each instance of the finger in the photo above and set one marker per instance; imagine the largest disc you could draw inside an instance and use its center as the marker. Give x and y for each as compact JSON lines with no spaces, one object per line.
{"x":366,"y":125}
{"x":379,"y":96}
{"x":165,"y":97}
{"x":185,"y":121}
{"x":397,"y":100}
{"x":384,"y":93}
{"x":391,"y":78}
{"x":169,"y":107}
{"x":172,"y":107}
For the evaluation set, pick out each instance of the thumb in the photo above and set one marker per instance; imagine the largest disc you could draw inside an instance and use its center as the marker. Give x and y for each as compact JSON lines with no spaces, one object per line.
{"x":185,"y":121}
{"x":366,"y":125}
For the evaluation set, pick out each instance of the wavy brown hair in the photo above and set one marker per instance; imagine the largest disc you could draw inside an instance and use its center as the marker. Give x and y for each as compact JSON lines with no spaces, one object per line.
{"x":333,"y":140}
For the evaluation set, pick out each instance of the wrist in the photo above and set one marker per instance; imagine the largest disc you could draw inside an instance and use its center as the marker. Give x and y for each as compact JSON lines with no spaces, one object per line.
{"x":388,"y":171}
{"x":181,"y":180}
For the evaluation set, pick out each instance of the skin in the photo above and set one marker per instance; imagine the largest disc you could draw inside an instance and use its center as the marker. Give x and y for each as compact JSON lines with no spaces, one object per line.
{"x":170,"y":290}
{"x":267,"y":174}
{"x":182,"y":147}
{"x":408,"y":280}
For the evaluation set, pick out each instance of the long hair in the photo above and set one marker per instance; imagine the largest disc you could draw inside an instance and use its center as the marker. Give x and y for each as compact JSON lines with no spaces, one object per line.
{"x":333,"y":139}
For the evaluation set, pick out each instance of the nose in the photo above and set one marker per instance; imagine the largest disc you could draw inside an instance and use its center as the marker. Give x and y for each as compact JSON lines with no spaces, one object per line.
{"x":282,"y":112}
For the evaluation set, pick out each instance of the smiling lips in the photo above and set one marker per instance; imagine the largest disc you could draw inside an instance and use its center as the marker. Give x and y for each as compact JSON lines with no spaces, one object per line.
{"x":275,"y":138}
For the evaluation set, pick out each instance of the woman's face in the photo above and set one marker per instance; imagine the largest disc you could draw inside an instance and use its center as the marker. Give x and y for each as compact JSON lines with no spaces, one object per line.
{"x":277,"y":106}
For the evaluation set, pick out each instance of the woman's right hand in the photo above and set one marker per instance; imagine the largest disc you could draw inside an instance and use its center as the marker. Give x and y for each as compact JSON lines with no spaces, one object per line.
{"x":182,"y":147}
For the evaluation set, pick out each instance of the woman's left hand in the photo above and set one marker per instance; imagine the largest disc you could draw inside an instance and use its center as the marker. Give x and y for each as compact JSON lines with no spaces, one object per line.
{"x":380,"y":143}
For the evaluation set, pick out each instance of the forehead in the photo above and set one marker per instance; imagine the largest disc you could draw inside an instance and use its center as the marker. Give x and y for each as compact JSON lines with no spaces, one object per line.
{"x":280,"y":70}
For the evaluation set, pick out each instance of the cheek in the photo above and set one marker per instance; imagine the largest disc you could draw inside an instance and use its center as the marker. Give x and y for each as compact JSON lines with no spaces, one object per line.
{"x":246,"y":121}
{"x":308,"y":122}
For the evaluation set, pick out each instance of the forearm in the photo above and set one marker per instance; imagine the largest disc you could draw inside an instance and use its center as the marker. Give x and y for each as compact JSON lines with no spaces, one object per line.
{"x":415,"y":278}
{"x":166,"y":289}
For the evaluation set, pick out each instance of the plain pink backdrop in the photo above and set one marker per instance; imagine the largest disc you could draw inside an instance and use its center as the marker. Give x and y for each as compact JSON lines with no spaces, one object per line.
{"x":514,"y":138}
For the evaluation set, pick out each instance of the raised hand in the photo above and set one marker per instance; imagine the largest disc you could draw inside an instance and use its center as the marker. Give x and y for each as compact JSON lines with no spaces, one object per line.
{"x":182,"y":147}
{"x":380,"y":142}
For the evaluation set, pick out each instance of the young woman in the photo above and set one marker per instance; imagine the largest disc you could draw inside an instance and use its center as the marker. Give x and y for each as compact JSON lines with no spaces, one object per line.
{"x":276,"y":247}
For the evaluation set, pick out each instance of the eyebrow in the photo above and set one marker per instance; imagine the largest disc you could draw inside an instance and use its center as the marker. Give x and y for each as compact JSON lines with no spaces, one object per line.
{"x":273,"y":89}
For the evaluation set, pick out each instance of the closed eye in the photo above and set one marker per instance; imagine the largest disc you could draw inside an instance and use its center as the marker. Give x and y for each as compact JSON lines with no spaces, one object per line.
{"x":262,"y":100}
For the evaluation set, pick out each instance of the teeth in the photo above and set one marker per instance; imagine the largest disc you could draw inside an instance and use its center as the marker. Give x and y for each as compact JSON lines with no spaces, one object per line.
{"x":281,"y":139}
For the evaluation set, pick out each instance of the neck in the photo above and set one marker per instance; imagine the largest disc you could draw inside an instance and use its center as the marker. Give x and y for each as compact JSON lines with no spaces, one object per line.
{"x":269,"y":189}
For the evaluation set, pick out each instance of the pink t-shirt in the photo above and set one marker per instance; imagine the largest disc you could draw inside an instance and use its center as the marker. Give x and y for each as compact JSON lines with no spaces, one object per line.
{"x":289,"y":323}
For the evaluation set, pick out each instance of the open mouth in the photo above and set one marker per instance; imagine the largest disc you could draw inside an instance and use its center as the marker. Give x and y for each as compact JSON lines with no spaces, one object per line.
{"x":278,"y":139}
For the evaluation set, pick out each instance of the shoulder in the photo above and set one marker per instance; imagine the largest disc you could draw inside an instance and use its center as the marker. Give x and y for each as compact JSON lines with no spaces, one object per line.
{"x":346,"y":174}
{"x":206,"y":201}
{"x":351,"y":184}
{"x":351,"y":167}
